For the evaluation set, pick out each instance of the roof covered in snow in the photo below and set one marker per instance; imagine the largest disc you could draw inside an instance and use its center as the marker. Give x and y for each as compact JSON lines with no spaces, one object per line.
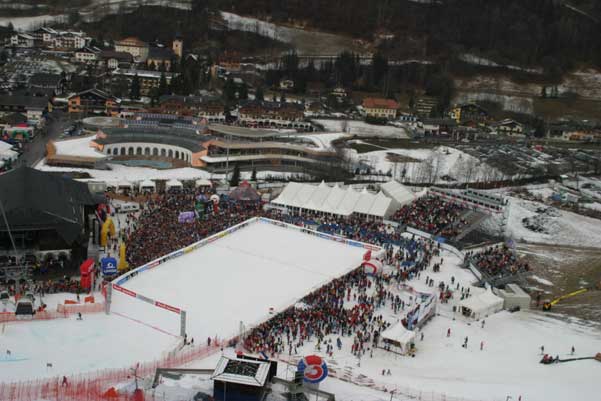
{"x":335,"y":200}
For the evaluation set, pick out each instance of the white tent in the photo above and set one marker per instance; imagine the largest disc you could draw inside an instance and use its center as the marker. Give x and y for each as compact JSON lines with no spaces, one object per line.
{"x":124,"y":186}
{"x":174,"y":184}
{"x":148,"y":186}
{"x":481,"y":305}
{"x":398,"y":339}
{"x":398,"y":192}
{"x":203,"y":183}
{"x":335,"y":200}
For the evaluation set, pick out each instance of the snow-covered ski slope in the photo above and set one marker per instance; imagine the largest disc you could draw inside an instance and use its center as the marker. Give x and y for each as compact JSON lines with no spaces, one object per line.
{"x":236,"y":276}
{"x":231,"y":278}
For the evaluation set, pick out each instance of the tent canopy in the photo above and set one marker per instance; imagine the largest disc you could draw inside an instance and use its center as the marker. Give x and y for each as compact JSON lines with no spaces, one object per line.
{"x":174,"y":184}
{"x":147,"y":184}
{"x":203,"y":183}
{"x":398,"y":192}
{"x":336,"y":200}
{"x":245,"y":192}
{"x":399,"y":336}
{"x":481,"y":305}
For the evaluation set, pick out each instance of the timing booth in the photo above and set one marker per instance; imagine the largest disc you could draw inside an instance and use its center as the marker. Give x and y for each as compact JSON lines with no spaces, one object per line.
{"x":240,"y":379}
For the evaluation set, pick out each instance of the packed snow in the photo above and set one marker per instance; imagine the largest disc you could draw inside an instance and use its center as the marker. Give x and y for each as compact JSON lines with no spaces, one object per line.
{"x":29,"y":23}
{"x":362,"y":128}
{"x":74,"y":346}
{"x":507,"y":365}
{"x":120,"y":172}
{"x":537,"y":223}
{"x":429,"y":165}
{"x":78,"y":147}
{"x":247,"y":263}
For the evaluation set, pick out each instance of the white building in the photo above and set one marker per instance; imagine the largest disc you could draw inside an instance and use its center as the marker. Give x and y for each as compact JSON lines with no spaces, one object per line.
{"x":134,"y":46}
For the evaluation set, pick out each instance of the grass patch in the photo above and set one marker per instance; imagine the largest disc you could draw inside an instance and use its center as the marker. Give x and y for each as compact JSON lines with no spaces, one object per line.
{"x":577,"y":108}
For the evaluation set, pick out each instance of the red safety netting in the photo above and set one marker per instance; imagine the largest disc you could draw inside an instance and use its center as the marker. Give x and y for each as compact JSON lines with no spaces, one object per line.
{"x":94,"y":386}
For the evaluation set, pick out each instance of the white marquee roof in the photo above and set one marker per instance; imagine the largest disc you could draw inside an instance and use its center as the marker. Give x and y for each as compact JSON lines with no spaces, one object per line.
{"x":335,"y":200}
{"x":398,"y":333}
{"x":398,"y":192}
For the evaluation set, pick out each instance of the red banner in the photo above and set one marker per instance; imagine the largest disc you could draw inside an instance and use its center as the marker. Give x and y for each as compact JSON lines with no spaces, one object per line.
{"x":124,"y":290}
{"x":168,"y":307}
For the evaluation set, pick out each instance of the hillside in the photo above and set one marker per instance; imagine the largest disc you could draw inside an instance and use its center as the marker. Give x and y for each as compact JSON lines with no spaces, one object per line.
{"x":534,"y":33}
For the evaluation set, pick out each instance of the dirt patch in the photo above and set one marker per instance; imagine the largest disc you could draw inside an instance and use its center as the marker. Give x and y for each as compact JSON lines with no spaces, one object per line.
{"x":396,"y":158}
{"x":560,"y":270}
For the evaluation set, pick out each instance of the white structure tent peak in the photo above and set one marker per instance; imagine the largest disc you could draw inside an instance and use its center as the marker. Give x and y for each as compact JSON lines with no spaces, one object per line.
{"x":335,"y":200}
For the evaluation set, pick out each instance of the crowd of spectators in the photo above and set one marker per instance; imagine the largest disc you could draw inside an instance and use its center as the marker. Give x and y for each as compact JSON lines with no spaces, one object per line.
{"x":497,"y":261}
{"x":158,"y":232}
{"x":350,"y":306}
{"x":432,"y":214}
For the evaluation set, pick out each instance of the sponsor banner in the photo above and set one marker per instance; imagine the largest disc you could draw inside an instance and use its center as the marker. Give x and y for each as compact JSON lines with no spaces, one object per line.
{"x":153,"y":264}
{"x":143,"y":269}
{"x":124,"y":290}
{"x":189,"y":249}
{"x":354,"y":243}
{"x":145,"y":299}
{"x":370,"y":247}
{"x":167,"y":307}
{"x":176,"y":254}
{"x":122,"y":280}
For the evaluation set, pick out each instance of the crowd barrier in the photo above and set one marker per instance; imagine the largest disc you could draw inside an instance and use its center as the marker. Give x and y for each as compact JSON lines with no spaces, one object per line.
{"x":81,"y":308}
{"x":396,"y":392}
{"x":93,"y":386}
{"x":62,"y":312}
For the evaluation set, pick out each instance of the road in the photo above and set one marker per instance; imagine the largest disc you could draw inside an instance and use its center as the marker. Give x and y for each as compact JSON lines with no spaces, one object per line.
{"x":35,"y":150}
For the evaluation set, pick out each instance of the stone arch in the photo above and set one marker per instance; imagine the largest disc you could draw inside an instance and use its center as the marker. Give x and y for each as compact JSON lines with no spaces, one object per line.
{"x":170,"y":153}
{"x":163,"y":152}
{"x":177,"y":154}
{"x":139,"y":151}
{"x":130,"y":151}
{"x":147,"y":151}
{"x":123,"y":151}
{"x":155,"y":151}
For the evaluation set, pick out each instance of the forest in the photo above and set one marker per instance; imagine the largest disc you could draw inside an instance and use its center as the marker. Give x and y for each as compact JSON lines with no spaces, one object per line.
{"x":529,"y":33}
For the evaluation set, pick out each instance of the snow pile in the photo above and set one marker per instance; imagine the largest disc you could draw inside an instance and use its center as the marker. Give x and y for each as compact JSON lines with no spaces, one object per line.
{"x":538,"y":223}
{"x":441,"y":164}
{"x":27,"y":23}
{"x":324,"y":141}
{"x":543,"y":220}
{"x":362,"y":128}
{"x":120,"y":172}
{"x":78,"y":147}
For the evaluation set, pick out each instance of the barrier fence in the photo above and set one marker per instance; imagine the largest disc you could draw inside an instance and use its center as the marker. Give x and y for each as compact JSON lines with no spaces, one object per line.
{"x":94,"y":386}
{"x":346,"y":374}
{"x":62,"y":312}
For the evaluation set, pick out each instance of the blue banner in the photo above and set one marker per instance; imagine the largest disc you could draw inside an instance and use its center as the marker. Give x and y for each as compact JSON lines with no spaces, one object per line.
{"x":108,"y":266}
